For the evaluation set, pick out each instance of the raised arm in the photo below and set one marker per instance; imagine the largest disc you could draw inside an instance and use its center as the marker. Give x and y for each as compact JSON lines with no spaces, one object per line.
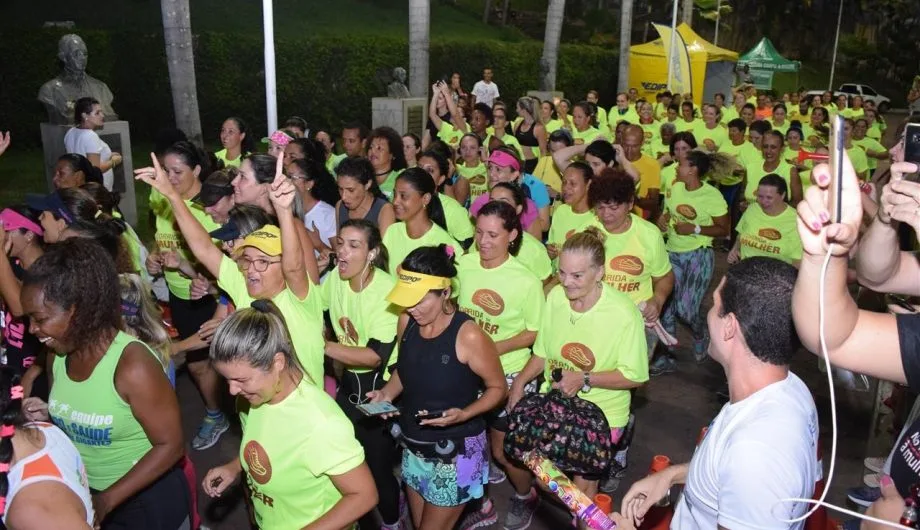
{"x":199,"y":242}
{"x":563,"y":157}
{"x":9,"y":285}
{"x":292,"y":263}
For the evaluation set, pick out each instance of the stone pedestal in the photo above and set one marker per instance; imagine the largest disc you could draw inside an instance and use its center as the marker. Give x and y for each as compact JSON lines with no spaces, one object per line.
{"x":406,"y":115}
{"x":117,"y":135}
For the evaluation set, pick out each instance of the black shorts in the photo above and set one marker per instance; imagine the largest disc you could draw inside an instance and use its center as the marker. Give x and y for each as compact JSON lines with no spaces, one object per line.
{"x":163,"y":505}
{"x":188,"y":316}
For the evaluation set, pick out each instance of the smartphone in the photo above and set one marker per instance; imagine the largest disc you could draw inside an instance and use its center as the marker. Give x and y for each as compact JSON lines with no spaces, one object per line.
{"x":428,"y":415}
{"x":835,"y":160}
{"x":377,"y":409}
{"x":912,"y":143}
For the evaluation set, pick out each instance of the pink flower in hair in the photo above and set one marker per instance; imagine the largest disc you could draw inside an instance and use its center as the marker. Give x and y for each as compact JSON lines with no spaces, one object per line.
{"x":449,"y":250}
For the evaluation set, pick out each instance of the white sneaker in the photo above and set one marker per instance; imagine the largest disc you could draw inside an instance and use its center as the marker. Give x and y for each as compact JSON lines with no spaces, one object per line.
{"x":874,"y":464}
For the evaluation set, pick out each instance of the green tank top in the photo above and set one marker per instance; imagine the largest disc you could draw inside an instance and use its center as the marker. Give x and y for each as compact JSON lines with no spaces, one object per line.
{"x":96,"y":419}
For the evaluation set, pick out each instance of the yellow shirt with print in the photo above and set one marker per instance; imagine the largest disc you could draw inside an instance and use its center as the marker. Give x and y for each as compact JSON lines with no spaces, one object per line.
{"x":450,"y":135}
{"x":289,"y":452}
{"x":169,"y":238}
{"x":532,"y":255}
{"x":776,"y":237}
{"x":615,"y":116}
{"x":588,"y":135}
{"x":634,"y":258}
{"x":744,"y":154}
{"x":359,"y":317}
{"x":222,"y":156}
{"x":304,"y":318}
{"x":548,"y":173}
{"x":477,"y":176}
{"x":566,"y":223}
{"x":698,"y":207}
{"x":399,"y":244}
{"x":683,"y":125}
{"x":755,"y":172}
{"x":585,"y":342}
{"x":651,"y":132}
{"x":459,"y":225}
{"x":860,"y":162}
{"x":505,"y":301}
{"x":870,"y":144}
{"x":668,"y":178}
{"x":711,"y":139}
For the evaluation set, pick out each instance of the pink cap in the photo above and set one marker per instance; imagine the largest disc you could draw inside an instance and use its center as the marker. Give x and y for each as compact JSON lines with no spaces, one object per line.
{"x":503,"y":159}
{"x":13,"y":220}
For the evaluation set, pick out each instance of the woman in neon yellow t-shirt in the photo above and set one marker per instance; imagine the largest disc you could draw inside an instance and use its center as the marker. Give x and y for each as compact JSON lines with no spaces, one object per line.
{"x":695,"y":214}
{"x":472,"y":169}
{"x":455,"y":215}
{"x":874,"y":150}
{"x":688,"y":120}
{"x":584,"y":120}
{"x":768,"y":227}
{"x":856,"y":154}
{"x":710,"y":135}
{"x":575,"y":337}
{"x":234,"y":136}
{"x":636,"y":260}
{"x":773,"y":144}
{"x":365,"y":327}
{"x":650,"y":128}
{"x":298,"y":454}
{"x":779,"y":121}
{"x":420,"y":215}
{"x":574,"y":214}
{"x":548,"y":118}
{"x":506,"y":300}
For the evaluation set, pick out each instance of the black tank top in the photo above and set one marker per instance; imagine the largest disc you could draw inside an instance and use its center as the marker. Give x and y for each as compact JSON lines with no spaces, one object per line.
{"x":433,"y":379}
{"x":372,"y":214}
{"x":526,"y":138}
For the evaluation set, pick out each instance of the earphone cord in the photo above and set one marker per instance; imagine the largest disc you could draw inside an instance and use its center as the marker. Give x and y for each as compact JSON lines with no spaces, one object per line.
{"x":830,"y":382}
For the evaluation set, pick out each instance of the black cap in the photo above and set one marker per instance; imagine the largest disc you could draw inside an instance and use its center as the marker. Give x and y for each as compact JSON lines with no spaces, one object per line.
{"x":50,"y":203}
{"x":227,"y":232}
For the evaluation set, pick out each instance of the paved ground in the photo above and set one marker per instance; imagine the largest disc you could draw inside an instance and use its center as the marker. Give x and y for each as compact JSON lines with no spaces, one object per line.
{"x":670,"y":411}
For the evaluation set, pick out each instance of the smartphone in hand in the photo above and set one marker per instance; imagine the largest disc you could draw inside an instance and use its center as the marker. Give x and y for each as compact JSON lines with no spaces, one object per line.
{"x":378,"y":409}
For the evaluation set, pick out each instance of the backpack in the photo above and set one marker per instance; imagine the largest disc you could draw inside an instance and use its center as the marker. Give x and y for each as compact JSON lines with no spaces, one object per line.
{"x":571,"y":432}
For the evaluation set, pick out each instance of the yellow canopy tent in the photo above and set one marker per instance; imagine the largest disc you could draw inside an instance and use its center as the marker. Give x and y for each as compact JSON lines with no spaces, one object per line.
{"x":711,"y":67}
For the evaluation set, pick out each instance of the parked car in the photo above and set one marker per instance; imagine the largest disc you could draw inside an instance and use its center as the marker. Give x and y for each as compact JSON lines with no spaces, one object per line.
{"x":868,"y":93}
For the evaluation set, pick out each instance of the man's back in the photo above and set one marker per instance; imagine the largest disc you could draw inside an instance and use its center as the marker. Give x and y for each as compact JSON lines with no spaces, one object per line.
{"x":756,"y":453}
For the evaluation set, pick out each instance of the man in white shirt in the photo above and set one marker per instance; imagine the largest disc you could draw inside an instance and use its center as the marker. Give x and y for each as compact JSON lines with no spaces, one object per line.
{"x":485,"y":91}
{"x":761,"y":448}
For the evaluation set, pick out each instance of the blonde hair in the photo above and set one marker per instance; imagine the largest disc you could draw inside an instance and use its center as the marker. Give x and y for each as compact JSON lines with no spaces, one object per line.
{"x":142,"y":316}
{"x":589,"y":242}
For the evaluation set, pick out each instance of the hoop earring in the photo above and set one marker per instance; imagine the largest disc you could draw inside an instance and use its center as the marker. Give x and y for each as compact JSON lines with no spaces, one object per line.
{"x":448,"y":308}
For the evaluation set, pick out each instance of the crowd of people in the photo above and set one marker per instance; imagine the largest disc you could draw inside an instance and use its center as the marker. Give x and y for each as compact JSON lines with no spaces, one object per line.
{"x":378,"y":301}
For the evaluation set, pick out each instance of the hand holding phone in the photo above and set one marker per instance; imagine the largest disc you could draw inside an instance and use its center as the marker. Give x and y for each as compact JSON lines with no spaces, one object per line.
{"x":379,"y":408}
{"x":423,"y":415}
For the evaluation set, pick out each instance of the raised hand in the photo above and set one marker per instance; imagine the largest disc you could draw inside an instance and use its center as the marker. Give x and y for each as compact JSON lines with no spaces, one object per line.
{"x":282,"y":190}
{"x":5,"y":141}
{"x":156,"y":177}
{"x":816,"y":229}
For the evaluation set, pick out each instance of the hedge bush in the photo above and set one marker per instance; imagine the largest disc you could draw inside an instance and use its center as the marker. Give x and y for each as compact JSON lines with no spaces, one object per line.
{"x":327,"y":80}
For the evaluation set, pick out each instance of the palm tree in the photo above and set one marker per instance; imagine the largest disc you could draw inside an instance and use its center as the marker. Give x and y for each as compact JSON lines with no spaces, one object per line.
{"x":180,"y":58}
{"x":555,"y":12}
{"x":419,"y":24}
{"x":626,"y":8}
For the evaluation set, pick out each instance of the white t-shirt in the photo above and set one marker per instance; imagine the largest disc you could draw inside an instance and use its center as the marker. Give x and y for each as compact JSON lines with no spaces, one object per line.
{"x":323,"y":216}
{"x":87,"y":142}
{"x":756,"y":452}
{"x":485,"y":92}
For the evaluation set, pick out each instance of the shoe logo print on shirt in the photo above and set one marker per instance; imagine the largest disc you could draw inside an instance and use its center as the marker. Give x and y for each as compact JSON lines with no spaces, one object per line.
{"x":490,"y":301}
{"x":687,"y":211}
{"x":629,"y":264}
{"x":348,"y":330}
{"x":579,"y":355}
{"x":260,"y":468}
{"x":770,"y":233}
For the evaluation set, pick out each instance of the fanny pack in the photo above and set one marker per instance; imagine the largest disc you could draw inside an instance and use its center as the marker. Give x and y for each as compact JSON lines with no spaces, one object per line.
{"x":444,"y":451}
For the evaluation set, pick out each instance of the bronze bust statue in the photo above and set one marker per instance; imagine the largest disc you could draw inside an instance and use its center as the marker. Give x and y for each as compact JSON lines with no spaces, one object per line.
{"x":59,"y":94}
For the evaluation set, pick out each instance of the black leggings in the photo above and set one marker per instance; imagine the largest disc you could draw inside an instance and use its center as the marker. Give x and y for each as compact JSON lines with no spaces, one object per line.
{"x":163,"y":505}
{"x":188,"y":316}
{"x":380,"y":450}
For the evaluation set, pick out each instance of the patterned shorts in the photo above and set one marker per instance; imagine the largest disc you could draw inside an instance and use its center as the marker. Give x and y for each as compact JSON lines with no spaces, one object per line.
{"x":449,"y":484}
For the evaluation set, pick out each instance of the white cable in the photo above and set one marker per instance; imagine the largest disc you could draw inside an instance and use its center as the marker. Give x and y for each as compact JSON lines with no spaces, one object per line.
{"x":830,"y":383}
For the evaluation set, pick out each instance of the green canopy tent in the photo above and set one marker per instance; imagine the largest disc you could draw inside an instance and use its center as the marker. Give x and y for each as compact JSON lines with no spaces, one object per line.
{"x":763,"y":61}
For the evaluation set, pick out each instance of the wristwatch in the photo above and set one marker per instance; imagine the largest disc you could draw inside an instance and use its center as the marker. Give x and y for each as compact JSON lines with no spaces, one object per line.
{"x":697,"y":229}
{"x":586,"y":380}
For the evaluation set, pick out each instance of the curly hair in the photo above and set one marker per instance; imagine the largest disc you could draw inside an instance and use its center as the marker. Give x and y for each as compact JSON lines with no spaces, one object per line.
{"x":79,"y":274}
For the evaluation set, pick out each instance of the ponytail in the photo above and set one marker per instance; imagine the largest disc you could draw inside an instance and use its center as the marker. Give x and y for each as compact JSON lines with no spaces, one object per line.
{"x":12,"y":420}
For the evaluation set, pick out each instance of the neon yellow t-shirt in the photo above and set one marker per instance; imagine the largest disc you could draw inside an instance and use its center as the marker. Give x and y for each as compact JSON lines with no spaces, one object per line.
{"x":583,"y":342}
{"x":875,"y":132}
{"x":548,"y":173}
{"x":222,"y":156}
{"x":661,"y":111}
{"x":477,"y":177}
{"x":698,"y":207}
{"x":602,"y":118}
{"x":853,"y":114}
{"x":565,"y":223}
{"x":683,"y":125}
{"x":359,"y":317}
{"x":552,"y":126}
{"x":333,"y":162}
{"x":773,"y":237}
{"x":588,"y":135}
{"x":399,"y":244}
{"x":169,"y":238}
{"x":532,"y":255}
{"x":450,"y":135}
{"x":510,"y":141}
{"x":755,"y":172}
{"x":870,"y":144}
{"x":459,"y":225}
{"x":656,"y":149}
{"x":615,"y":116}
{"x":388,"y":185}
{"x":634,"y":257}
{"x":290,"y":450}
{"x":668,"y":178}
{"x":711,"y":139}
{"x":304,"y":318}
{"x":812,"y":137}
{"x":791,"y":156}
{"x":651,"y":132}
{"x":504,"y":301}
{"x":729,"y":114}
{"x":860,"y":162}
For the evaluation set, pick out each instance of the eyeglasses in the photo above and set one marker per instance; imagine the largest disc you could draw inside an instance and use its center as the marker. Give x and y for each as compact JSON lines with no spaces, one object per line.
{"x":259,"y":264}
